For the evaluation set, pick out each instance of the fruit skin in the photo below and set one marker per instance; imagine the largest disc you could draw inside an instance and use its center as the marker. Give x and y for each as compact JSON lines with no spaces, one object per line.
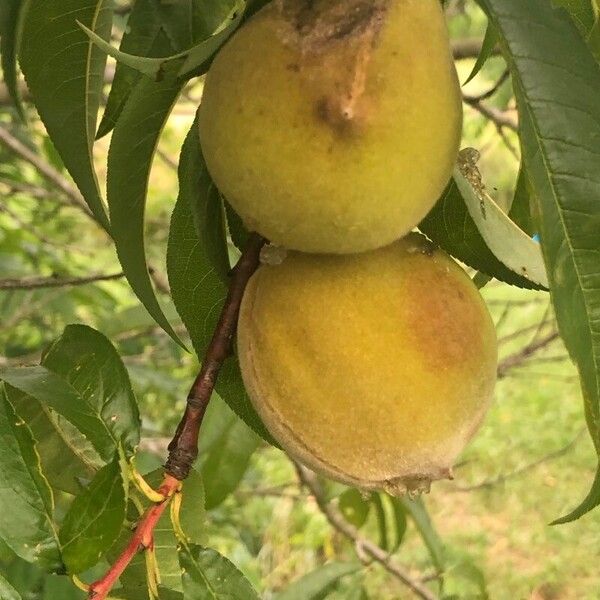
{"x":333,"y":133}
{"x":374,"y":369}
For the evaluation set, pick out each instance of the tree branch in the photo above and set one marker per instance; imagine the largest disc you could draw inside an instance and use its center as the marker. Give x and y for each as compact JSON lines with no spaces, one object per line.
{"x":518,"y":358}
{"x":32,"y":283}
{"x":183,"y":449}
{"x":338,"y":522}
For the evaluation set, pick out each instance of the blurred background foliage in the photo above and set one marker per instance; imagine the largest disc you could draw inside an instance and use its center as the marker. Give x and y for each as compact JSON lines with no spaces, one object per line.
{"x":489,"y":534}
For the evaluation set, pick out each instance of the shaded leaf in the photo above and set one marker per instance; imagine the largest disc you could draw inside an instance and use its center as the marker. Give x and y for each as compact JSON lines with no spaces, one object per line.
{"x":317,"y":584}
{"x":11,"y":22}
{"x":209,"y":576}
{"x":25,"y":494}
{"x":89,"y":362}
{"x":7,"y":591}
{"x":354,"y":507}
{"x":130,"y":157}
{"x":556,"y":81}
{"x":419,"y":515}
{"x":95,"y":518}
{"x":487,"y":49}
{"x":197,"y":265}
{"x":65,"y":75}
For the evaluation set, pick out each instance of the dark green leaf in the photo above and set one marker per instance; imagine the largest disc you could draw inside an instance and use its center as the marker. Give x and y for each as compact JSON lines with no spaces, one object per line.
{"x":56,"y":393}
{"x":90,"y":363}
{"x":400,"y":521}
{"x":65,"y":75}
{"x":143,"y":27}
{"x":11,"y":22}
{"x":7,"y":591}
{"x":25,"y":494}
{"x":487,"y":49}
{"x":130,"y":157}
{"x":581,"y":12}
{"x":354,"y":507}
{"x":67,"y":457}
{"x":556,"y":80}
{"x":381,"y":521}
{"x":224,"y":465}
{"x":520,"y":210}
{"x":197,"y":264}
{"x":142,"y":594}
{"x":418,"y":513}
{"x":317,"y":584}
{"x":237,"y":230}
{"x":209,"y":576}
{"x":450,"y":226}
{"x":192,"y":517}
{"x":95,"y":518}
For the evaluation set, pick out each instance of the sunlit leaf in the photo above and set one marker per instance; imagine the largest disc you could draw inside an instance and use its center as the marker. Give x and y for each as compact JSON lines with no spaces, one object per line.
{"x":317,"y":584}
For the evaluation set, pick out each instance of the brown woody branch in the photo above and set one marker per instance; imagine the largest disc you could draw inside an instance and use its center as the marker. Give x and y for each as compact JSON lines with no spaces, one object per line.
{"x":32,"y":283}
{"x":338,"y":522}
{"x":183,"y":449}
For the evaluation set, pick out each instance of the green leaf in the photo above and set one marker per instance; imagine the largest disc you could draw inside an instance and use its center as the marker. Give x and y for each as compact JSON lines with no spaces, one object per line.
{"x":185,"y":64}
{"x":581,"y":12}
{"x":142,"y":594}
{"x":487,"y":49}
{"x":317,"y":584}
{"x":95,"y":518}
{"x":11,"y":24}
{"x":209,"y":576}
{"x":56,"y":393}
{"x":418,"y":513}
{"x":556,"y":81}
{"x":197,"y":265}
{"x":354,"y":507}
{"x":224,"y":465}
{"x":520,"y":210}
{"x":67,"y":457}
{"x":130,"y":157}
{"x":450,"y":226}
{"x":381,"y":521}
{"x":7,"y":591}
{"x":143,"y":28}
{"x":90,"y":363}
{"x":193,"y":518}
{"x":65,"y":74}
{"x":25,"y":495}
{"x":400,"y":521}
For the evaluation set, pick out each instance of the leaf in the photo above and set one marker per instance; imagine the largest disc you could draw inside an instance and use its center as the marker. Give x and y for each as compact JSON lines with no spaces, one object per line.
{"x":512,"y":246}
{"x":520,"y":210}
{"x":130,"y":157}
{"x":7,"y":591}
{"x":209,"y":576}
{"x":450,"y":226}
{"x":224,"y":465}
{"x":95,"y":518}
{"x":11,"y":23}
{"x":354,"y":507}
{"x":418,"y":513}
{"x":400,"y":520}
{"x":25,"y":494}
{"x":65,"y":74}
{"x":317,"y":584}
{"x":51,"y":389}
{"x":556,"y":81}
{"x":381,"y":521}
{"x":143,"y":27}
{"x":142,"y":594}
{"x":185,"y":64}
{"x":197,"y":265}
{"x":581,"y":12}
{"x":193,"y":522}
{"x":89,"y":362}
{"x":487,"y":49}
{"x":67,"y":457}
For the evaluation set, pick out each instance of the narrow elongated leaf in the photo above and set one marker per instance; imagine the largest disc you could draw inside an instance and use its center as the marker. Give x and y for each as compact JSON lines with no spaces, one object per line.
{"x":130,"y":157}
{"x":143,"y":27}
{"x":7,"y":591}
{"x":317,"y":584}
{"x":95,"y":518}
{"x":26,"y":499}
{"x":208,"y":575}
{"x":197,"y":265}
{"x":56,"y":393}
{"x":192,"y":516}
{"x":65,"y":74}
{"x":418,"y":513}
{"x":11,"y":13}
{"x":520,"y":210}
{"x":490,"y":41}
{"x":556,"y":80}
{"x":67,"y":457}
{"x":451,"y":227}
{"x":226,"y":462}
{"x":90,"y":363}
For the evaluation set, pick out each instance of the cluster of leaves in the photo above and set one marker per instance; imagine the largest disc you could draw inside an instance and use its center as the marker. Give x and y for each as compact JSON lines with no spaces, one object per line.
{"x":70,"y":426}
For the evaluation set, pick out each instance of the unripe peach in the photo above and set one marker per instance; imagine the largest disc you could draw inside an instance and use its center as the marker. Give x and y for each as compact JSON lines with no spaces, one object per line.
{"x":374,"y":369}
{"x":333,"y":125}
